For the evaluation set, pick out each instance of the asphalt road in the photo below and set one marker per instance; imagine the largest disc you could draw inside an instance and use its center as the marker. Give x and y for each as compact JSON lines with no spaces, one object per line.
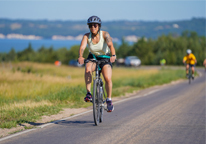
{"x":170,"y":114}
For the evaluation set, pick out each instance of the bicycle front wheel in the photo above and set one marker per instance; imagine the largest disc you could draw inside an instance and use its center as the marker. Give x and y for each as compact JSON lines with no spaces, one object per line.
{"x":96,"y":103}
{"x":101,"y":105}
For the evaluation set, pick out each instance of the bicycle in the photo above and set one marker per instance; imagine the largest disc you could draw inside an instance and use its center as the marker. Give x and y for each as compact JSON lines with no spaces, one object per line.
{"x":190,"y":74}
{"x":190,"y":78}
{"x":98,"y":96}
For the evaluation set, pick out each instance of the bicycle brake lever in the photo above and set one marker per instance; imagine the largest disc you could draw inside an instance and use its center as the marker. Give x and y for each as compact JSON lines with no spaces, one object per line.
{"x":86,"y":61}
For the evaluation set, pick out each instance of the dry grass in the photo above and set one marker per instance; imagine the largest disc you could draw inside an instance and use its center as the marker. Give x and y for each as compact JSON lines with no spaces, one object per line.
{"x":21,"y":105}
{"x":46,"y":79}
{"x":51,"y":69}
{"x":132,"y":73}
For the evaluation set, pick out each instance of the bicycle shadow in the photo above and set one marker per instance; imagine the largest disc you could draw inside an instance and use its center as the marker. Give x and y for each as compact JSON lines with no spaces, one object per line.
{"x":76,"y":123}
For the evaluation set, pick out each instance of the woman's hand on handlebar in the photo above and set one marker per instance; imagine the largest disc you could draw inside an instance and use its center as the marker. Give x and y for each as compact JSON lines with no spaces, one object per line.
{"x":81,"y":60}
{"x":112,"y":59}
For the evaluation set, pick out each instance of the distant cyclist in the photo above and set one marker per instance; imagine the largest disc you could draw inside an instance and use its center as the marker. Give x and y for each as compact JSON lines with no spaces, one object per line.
{"x":162,"y":62}
{"x":99,"y":43}
{"x":190,"y":60}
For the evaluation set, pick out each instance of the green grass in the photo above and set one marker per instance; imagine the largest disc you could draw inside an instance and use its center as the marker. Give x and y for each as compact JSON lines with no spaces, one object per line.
{"x":11,"y":118}
{"x":130,"y":84}
{"x":29,"y":103}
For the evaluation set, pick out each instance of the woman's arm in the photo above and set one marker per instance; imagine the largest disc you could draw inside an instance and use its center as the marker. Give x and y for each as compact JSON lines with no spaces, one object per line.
{"x":82,"y":48}
{"x":109,"y":42}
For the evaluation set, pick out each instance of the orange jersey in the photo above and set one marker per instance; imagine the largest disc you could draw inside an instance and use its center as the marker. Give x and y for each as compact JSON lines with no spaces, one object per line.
{"x":190,"y":59}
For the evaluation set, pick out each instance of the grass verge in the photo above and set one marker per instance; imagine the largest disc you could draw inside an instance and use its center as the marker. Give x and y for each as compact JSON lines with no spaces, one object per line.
{"x":40,"y":93}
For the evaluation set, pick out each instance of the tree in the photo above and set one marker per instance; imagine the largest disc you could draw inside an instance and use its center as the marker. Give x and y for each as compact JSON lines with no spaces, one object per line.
{"x":12,"y":56}
{"x":27,"y":54}
{"x":144,"y":50}
{"x":73,"y":52}
{"x":124,"y":49}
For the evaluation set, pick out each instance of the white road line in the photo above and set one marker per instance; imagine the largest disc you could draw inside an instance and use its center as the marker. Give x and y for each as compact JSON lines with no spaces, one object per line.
{"x":137,"y":96}
{"x":14,"y":135}
{"x":42,"y":126}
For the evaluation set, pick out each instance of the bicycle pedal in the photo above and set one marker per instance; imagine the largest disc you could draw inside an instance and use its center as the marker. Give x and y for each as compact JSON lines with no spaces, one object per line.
{"x":87,"y":100}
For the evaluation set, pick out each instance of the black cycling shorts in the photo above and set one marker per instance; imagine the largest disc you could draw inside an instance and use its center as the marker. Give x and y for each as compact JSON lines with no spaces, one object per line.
{"x":191,"y":65}
{"x":90,"y":56}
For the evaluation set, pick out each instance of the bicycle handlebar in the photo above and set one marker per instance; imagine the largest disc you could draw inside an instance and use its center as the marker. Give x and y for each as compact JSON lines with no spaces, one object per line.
{"x":96,"y":61}
{"x":189,"y":64}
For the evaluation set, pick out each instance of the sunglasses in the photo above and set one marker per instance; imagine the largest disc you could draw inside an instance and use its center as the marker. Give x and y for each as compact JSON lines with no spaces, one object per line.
{"x":95,"y":25}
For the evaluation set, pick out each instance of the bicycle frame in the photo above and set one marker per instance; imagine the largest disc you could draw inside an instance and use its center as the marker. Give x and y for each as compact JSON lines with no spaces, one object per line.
{"x":98,"y":77}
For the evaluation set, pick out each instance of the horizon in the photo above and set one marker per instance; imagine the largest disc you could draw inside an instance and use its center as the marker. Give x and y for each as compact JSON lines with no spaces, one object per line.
{"x":131,"y":10}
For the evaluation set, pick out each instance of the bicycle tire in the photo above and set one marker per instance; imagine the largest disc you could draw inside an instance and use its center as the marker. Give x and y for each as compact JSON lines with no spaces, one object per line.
{"x":101,"y":107}
{"x":190,"y":75}
{"x":96,"y":105}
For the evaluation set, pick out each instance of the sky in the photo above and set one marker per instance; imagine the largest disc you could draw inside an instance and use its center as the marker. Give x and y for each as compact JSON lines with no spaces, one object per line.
{"x":107,"y":10}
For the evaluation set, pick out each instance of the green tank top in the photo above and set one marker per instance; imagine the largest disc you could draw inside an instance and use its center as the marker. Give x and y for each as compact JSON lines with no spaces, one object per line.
{"x":100,"y":48}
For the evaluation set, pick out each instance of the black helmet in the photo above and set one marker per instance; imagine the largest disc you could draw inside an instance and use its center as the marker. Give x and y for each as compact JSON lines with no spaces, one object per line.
{"x":94,"y":19}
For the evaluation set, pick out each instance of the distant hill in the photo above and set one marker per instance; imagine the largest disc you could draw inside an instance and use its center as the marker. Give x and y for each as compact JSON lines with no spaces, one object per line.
{"x":117,"y":29}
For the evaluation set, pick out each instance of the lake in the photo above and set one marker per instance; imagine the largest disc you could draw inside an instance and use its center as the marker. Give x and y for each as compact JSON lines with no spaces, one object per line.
{"x":18,"y":44}
{"x":7,"y":44}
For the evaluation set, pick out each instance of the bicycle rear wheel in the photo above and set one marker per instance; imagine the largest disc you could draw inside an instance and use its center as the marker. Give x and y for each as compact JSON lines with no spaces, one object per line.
{"x":96,"y":104}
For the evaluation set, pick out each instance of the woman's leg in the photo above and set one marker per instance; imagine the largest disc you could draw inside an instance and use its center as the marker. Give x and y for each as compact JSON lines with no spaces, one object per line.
{"x":89,"y":68}
{"x":107,"y":73}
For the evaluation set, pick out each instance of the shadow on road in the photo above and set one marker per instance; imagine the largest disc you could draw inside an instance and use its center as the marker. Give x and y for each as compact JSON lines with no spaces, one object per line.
{"x":76,"y":123}
{"x":31,"y":123}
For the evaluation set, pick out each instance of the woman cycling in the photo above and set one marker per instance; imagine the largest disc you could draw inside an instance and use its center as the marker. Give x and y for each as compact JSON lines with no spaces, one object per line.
{"x":99,"y":43}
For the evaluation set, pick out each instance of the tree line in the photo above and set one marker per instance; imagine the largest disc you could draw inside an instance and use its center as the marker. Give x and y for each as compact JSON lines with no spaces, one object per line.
{"x":168,"y":47}
{"x":150,"y":51}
